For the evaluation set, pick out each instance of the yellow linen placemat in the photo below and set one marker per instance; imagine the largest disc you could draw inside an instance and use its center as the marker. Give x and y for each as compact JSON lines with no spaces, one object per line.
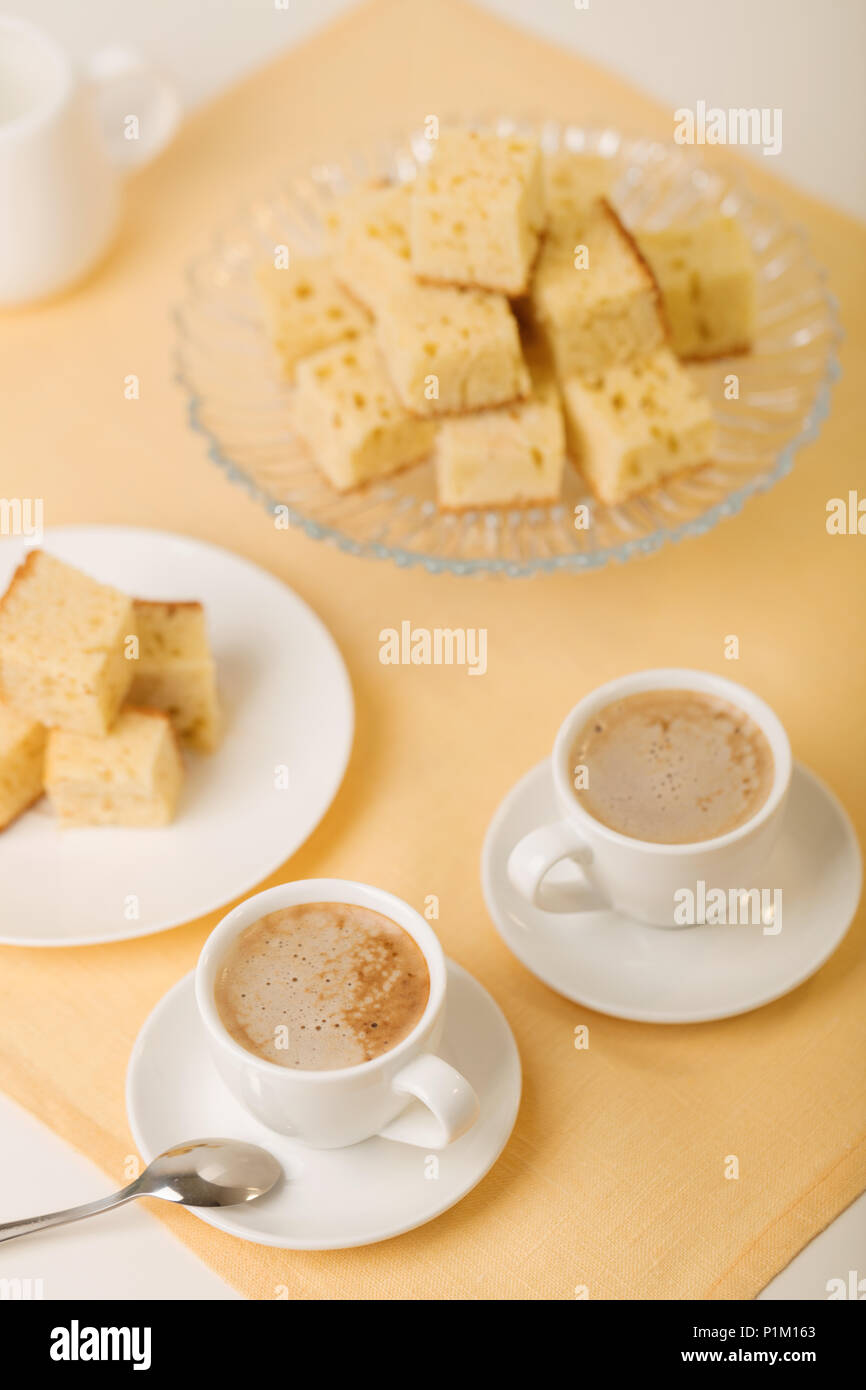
{"x":614,"y":1178}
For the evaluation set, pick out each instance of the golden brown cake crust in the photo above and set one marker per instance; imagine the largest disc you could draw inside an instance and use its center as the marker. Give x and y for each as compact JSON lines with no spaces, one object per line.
{"x":516,"y":504}
{"x":4,"y":825}
{"x":442,"y":283}
{"x":639,"y":256}
{"x":358,"y":489}
{"x":444,"y":415}
{"x":20,"y":574}
{"x":168,"y":605}
{"x":741,"y":350}
{"x":686,"y":472}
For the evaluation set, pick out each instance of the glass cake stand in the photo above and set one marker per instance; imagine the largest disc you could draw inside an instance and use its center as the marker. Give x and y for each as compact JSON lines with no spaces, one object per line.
{"x":238,"y":402}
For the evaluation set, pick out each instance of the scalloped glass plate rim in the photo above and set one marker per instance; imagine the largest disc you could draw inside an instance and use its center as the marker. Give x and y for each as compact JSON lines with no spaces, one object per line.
{"x":438,"y":564}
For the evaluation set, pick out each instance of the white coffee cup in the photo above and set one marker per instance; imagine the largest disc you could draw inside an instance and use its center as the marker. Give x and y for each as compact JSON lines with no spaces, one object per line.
{"x":639,"y":877}
{"x":330,"y":1109}
{"x":66,"y":141}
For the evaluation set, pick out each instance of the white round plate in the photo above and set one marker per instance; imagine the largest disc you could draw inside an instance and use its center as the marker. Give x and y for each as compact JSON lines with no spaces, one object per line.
{"x":287,"y":702}
{"x":611,"y":963}
{"x":336,"y":1198}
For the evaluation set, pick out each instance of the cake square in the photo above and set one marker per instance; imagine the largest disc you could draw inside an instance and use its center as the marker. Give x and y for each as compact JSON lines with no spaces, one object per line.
{"x":342,"y":209}
{"x":175,"y":670}
{"x":592,"y":297}
{"x":572,"y":182}
{"x":306,"y":309}
{"x":633,"y":425}
{"x":706,"y":274}
{"x":370,"y":236}
{"x":478,"y":211}
{"x":22,"y":754}
{"x":349,"y":414}
{"x":451,"y":350}
{"x":512,"y":455}
{"x":447,"y":349}
{"x":63,"y":646}
{"x":131,"y":777}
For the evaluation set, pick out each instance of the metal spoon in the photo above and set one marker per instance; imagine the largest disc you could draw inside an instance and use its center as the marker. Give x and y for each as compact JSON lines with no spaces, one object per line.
{"x":202,"y":1173}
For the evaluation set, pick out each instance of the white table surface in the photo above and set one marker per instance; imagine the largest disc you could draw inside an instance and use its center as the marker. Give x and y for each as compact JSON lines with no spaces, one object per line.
{"x":802,"y":56}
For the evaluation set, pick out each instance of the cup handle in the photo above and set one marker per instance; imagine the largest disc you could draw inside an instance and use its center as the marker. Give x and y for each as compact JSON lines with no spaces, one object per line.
{"x":139,"y":110}
{"x":535,"y":855}
{"x":448,"y":1105}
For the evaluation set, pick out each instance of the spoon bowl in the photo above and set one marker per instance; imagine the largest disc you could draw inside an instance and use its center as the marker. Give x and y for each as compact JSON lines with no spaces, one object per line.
{"x":200,"y":1173}
{"x":210,"y":1173}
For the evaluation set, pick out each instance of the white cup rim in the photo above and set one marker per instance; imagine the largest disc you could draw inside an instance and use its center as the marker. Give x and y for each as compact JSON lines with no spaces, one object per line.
{"x":318,"y":890}
{"x":672,"y":678}
{"x":42,"y":112}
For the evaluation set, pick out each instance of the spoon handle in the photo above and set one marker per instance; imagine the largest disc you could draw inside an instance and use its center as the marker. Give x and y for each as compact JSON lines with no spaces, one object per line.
{"x":10,"y":1229}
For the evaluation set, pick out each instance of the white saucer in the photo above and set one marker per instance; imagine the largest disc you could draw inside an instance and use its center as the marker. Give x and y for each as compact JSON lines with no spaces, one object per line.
{"x":287,"y":702}
{"x":618,"y":966}
{"x":336,"y":1198}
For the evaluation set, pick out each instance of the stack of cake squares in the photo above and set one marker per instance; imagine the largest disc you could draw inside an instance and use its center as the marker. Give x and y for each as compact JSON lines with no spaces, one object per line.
{"x":496,"y":315}
{"x":95,"y":691}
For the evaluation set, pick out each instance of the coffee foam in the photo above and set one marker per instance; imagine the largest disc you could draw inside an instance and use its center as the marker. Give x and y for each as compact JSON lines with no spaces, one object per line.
{"x":320,"y":986}
{"x":672,"y":766}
